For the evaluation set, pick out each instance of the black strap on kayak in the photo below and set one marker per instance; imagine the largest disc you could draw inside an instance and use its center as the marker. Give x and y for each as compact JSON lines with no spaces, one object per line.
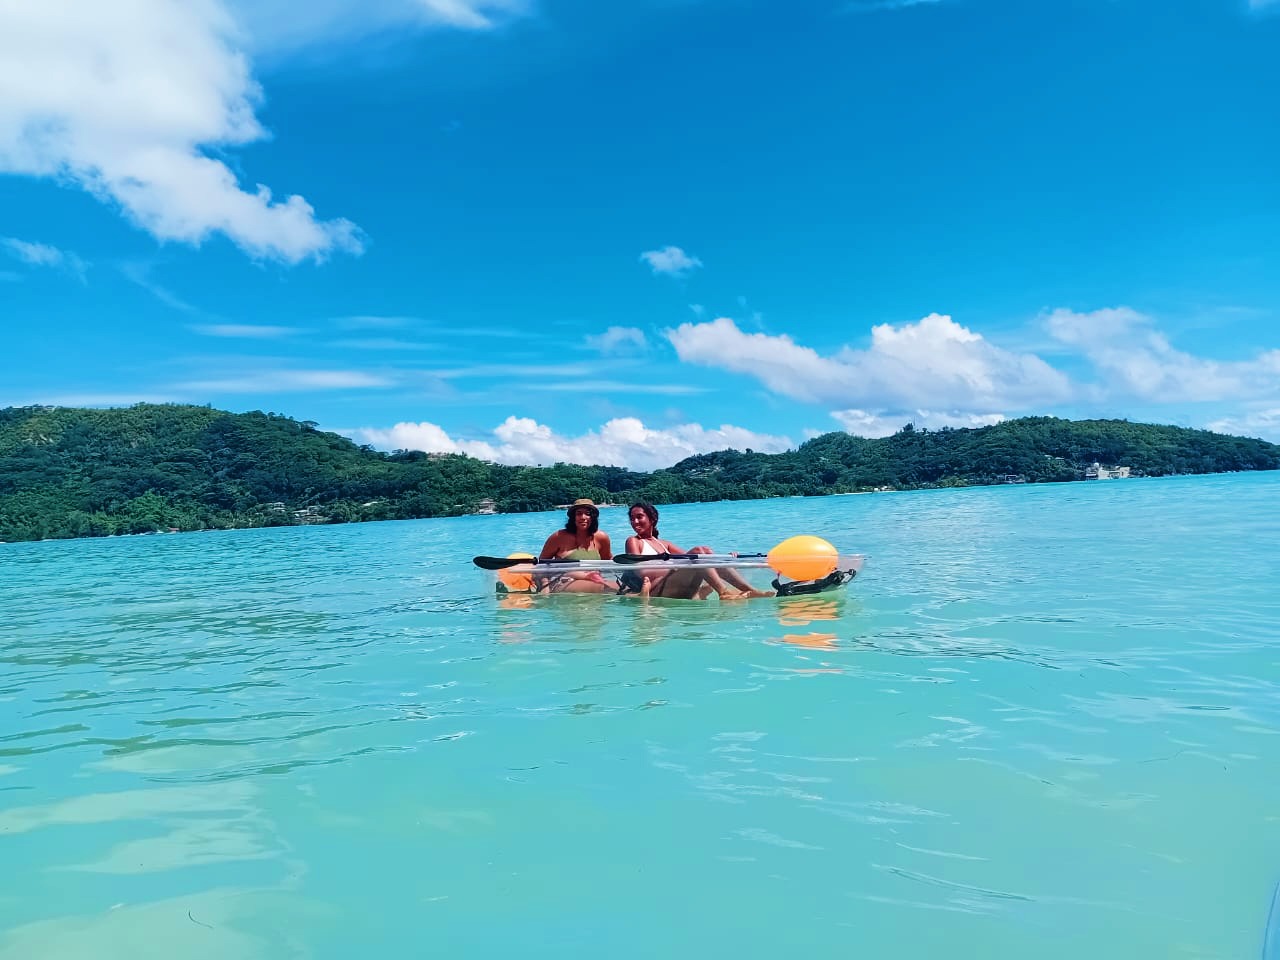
{"x":630,"y":582}
{"x":834,"y":579}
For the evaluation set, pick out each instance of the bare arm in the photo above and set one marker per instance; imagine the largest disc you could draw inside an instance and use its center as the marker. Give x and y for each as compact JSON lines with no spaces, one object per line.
{"x":551,"y":547}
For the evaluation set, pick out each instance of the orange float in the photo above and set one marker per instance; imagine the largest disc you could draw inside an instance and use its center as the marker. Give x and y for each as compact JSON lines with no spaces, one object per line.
{"x":516,"y":580}
{"x":803,"y":558}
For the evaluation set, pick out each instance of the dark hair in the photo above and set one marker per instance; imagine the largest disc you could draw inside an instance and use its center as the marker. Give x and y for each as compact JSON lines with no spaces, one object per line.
{"x":650,"y":511}
{"x":571,"y":527}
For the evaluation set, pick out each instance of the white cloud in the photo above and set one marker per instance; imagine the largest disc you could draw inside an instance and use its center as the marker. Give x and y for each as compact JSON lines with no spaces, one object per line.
{"x":409,"y":436}
{"x":287,"y":380}
{"x":618,"y":340}
{"x":863,"y":423}
{"x":285,"y":26}
{"x":244,"y":330}
{"x":140,"y":273}
{"x":469,"y":14}
{"x":124,"y":99}
{"x":932,"y":364}
{"x":43,"y":255}
{"x":1263,"y":423}
{"x":1133,"y":358}
{"x":623,"y":442}
{"x":36,"y":254}
{"x":671,"y":261}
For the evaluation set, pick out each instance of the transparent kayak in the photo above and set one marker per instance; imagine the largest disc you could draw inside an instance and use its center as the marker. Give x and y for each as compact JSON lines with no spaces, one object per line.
{"x":625,"y":574}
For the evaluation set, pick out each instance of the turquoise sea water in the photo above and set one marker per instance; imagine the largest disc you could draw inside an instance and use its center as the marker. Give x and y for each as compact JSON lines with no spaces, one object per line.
{"x":1045,"y":722}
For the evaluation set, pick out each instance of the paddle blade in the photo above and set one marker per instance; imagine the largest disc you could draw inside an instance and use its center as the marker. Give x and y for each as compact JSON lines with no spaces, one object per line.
{"x":499,"y":563}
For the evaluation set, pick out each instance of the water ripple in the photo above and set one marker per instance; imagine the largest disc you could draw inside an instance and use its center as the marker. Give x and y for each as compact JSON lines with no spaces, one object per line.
{"x":293,"y":742}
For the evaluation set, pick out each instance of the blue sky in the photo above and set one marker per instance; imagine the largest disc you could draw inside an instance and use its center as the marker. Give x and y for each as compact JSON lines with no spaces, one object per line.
{"x":629,"y":232}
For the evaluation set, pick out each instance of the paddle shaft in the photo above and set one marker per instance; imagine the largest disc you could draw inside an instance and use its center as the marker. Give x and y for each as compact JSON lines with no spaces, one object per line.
{"x":628,"y":558}
{"x":502,"y":563}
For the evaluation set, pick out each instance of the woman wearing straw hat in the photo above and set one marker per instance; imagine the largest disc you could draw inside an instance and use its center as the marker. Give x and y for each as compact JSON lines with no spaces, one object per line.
{"x":580,"y":539}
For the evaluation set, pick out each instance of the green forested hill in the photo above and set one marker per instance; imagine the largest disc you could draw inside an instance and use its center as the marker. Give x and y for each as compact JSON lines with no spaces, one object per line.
{"x":68,"y":472}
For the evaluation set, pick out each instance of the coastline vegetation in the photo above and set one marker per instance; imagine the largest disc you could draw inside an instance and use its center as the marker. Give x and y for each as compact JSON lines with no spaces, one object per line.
{"x":70,"y":472}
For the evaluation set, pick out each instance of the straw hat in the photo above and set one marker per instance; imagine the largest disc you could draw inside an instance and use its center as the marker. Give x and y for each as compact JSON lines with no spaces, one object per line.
{"x":584,"y":502}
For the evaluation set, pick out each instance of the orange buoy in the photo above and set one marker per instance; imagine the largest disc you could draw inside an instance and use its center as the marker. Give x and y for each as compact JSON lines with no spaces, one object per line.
{"x":514,"y":580}
{"x":803,"y":558}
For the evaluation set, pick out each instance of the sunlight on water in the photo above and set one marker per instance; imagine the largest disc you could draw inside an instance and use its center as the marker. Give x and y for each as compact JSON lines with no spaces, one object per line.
{"x":1044,"y":722}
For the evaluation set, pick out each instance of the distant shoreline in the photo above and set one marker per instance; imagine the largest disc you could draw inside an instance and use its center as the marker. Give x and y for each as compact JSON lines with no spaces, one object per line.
{"x":553,"y":511}
{"x":74,"y":473}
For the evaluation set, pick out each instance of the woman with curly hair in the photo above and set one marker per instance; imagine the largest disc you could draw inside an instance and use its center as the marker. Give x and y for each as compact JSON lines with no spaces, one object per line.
{"x":679,"y":583}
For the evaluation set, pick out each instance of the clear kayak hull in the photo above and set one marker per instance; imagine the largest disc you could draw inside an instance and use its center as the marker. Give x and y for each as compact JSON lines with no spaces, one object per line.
{"x":625,"y":576}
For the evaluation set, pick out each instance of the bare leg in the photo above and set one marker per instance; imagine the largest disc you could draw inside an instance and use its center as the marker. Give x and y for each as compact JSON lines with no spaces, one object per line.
{"x":716,"y":582}
{"x":573,"y":583}
{"x":739,"y":581}
{"x":734,"y":577}
{"x":716,"y":577}
{"x":679,"y":584}
{"x":690,"y":584}
{"x":586,"y":586}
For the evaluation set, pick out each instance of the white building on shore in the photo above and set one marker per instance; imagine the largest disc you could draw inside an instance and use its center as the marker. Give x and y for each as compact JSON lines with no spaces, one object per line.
{"x":1096,"y":471}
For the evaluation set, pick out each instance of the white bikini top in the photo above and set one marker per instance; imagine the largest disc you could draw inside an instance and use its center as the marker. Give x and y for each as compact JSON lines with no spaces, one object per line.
{"x":646,"y":548}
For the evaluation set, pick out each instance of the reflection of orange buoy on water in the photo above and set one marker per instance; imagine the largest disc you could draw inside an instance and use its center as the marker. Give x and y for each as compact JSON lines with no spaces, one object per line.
{"x":803,"y":558}
{"x":521,"y":601}
{"x":801,"y":611}
{"x":517,"y":581}
{"x":815,"y":641}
